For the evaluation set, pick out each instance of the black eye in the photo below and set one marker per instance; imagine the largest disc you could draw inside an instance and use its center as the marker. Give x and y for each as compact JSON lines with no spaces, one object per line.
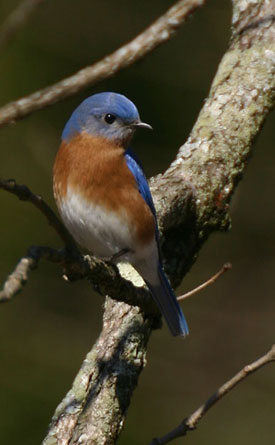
{"x":109,"y":118}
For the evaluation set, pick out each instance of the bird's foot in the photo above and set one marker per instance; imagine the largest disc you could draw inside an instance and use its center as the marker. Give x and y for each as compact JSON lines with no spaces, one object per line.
{"x":113,"y":258}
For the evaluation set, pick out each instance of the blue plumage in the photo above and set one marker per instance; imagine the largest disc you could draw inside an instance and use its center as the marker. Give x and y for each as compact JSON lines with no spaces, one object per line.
{"x":163,"y":293}
{"x":108,"y":121}
{"x":136,"y":168}
{"x":89,"y":115}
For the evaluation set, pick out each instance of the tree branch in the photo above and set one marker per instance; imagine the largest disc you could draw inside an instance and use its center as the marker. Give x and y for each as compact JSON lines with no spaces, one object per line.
{"x":191,"y":422}
{"x":25,"y":194}
{"x":16,"y":280}
{"x":156,"y":34}
{"x":90,"y":411}
{"x":76,"y":267}
{"x":192,"y":197}
{"x":211,"y":280}
{"x":104,"y":277}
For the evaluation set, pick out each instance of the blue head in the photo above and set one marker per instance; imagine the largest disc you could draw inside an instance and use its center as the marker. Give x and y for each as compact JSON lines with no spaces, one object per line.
{"x":109,"y":115}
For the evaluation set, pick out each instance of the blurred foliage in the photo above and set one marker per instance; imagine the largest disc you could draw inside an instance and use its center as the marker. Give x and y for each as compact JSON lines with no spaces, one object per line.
{"x":47,"y":330}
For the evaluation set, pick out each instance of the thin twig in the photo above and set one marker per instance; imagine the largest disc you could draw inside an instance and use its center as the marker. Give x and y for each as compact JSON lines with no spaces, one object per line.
{"x":225,"y":268}
{"x":25,"y":194}
{"x":156,"y":34}
{"x":18,"y":278}
{"x":104,"y":277}
{"x":17,"y":19}
{"x":191,"y":422}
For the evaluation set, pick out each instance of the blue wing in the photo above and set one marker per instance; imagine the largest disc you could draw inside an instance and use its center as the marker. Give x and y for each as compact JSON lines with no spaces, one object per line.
{"x":162,"y":292}
{"x":136,"y":168}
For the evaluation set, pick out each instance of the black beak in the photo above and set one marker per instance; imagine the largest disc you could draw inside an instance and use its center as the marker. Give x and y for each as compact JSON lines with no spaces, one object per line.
{"x":140,"y":124}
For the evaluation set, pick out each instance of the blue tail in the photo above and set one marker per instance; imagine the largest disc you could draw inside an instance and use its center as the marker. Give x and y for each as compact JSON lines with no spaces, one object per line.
{"x":167,"y":303}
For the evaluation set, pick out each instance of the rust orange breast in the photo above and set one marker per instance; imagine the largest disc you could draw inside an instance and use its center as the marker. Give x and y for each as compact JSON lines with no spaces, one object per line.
{"x":96,"y":168}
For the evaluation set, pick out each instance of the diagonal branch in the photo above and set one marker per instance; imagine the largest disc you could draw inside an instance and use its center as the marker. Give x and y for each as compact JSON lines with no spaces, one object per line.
{"x":25,"y":194}
{"x":94,"y":409}
{"x":18,"y":278}
{"x":211,"y":280}
{"x":156,"y":34}
{"x":104,"y":277}
{"x":193,"y":195}
{"x":191,"y":422}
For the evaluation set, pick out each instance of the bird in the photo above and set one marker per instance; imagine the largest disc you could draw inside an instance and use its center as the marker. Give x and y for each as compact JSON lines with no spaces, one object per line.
{"x":103,"y":196}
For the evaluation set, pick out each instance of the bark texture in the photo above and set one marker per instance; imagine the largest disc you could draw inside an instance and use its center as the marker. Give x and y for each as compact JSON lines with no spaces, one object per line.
{"x":101,"y":392}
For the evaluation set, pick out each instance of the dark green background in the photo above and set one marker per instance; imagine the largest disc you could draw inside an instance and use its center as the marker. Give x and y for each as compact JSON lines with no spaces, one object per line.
{"x":46,"y":331}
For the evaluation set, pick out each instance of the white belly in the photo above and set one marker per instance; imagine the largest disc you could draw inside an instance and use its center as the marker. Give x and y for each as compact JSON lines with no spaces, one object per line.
{"x":101,"y":232}
{"x":104,"y":234}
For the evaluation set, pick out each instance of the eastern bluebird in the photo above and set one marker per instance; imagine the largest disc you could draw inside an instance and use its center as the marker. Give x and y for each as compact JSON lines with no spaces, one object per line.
{"x":103,"y":196}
